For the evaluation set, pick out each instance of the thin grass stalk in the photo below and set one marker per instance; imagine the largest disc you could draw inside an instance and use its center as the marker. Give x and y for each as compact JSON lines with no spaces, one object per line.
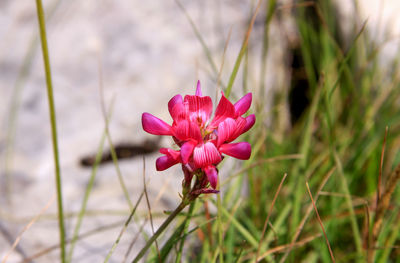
{"x":353,"y":219}
{"x":269,"y":214}
{"x":321,"y":224}
{"x":149,"y":207}
{"x":26,"y":228}
{"x":50,"y":98}
{"x":88,"y":190}
{"x":82,"y":236}
{"x":220,"y":229}
{"x":123,"y":229}
{"x":164,"y":225}
{"x":243,"y":230}
{"x":112,"y":148}
{"x":271,"y":7}
{"x":241,"y":52}
{"x":307,"y":214}
{"x":200,"y":38}
{"x":182,"y":242}
{"x":305,"y":152}
{"x":395,"y":230}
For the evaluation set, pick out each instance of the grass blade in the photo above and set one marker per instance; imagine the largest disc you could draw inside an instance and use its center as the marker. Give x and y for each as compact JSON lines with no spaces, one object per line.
{"x":242,"y":52}
{"x":50,"y":98}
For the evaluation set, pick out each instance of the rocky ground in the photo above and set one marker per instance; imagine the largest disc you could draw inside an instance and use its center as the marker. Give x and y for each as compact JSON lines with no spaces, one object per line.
{"x":144,"y":52}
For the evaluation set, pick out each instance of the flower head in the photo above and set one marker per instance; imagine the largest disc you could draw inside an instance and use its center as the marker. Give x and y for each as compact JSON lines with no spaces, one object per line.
{"x":203,"y":141}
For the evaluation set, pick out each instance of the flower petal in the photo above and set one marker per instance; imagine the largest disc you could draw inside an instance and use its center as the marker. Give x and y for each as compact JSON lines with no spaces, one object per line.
{"x":250,"y":120}
{"x":199,"y":108}
{"x":242,"y":105}
{"x":178,"y":112}
{"x":171,"y":153}
{"x":198,"y":89}
{"x":225,"y":109}
{"x":206,"y":154}
{"x":154,"y":125}
{"x":212,"y":175}
{"x":165,"y":162}
{"x":186,"y":130}
{"x":171,"y":158}
{"x":177,"y":99}
{"x":240,"y":150}
{"x":225,"y":130}
{"x":187,"y":150}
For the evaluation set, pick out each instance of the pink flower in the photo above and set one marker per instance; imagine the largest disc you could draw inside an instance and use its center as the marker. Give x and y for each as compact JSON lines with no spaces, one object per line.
{"x":202,"y":141}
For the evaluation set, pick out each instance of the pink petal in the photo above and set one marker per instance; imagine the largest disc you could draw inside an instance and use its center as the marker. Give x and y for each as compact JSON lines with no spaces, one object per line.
{"x":240,"y":150}
{"x":199,"y":108}
{"x":186,"y":130}
{"x":198,"y":89}
{"x":165,"y":162}
{"x":206,"y":154}
{"x":212,"y":175}
{"x":171,"y":153}
{"x":171,"y":158}
{"x":225,"y":130}
{"x":154,"y":125}
{"x":187,"y":150}
{"x":178,"y":112}
{"x":177,"y":99}
{"x":250,"y":120}
{"x":225,"y":109}
{"x":242,"y":105}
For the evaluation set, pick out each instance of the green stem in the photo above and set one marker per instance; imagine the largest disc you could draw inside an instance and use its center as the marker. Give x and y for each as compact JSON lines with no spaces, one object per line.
{"x":160,"y":230}
{"x":42,"y":28}
{"x":185,"y":228}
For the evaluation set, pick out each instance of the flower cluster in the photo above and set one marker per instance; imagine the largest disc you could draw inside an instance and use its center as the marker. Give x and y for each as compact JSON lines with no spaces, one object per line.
{"x":202,"y":141}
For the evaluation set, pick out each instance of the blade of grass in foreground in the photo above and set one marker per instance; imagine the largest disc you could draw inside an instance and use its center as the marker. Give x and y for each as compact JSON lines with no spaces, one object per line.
{"x":88,"y":190}
{"x":46,"y":60}
{"x":242,"y":52}
{"x":123,"y":229}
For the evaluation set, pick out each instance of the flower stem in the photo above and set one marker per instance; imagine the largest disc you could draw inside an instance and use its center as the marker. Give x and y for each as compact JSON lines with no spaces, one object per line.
{"x":164,"y":225}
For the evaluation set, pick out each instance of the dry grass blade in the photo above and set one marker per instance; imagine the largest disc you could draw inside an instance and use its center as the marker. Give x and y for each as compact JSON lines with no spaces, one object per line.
{"x":291,"y":246}
{"x":379,"y":188}
{"x":124,"y":228}
{"x":149,"y":207}
{"x":383,"y":203}
{"x":134,"y":241}
{"x":263,"y":161}
{"x":320,"y":222}
{"x":269,"y":214}
{"x":29,"y":225}
{"x":127,"y":253}
{"x":84,"y":235}
{"x":308,"y":212}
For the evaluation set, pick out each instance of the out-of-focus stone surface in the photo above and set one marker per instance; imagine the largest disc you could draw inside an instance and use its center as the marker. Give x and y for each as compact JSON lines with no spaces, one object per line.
{"x":148,"y":53}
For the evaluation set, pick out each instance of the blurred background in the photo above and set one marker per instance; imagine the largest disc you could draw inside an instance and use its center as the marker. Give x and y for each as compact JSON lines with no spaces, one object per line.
{"x":139,"y":54}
